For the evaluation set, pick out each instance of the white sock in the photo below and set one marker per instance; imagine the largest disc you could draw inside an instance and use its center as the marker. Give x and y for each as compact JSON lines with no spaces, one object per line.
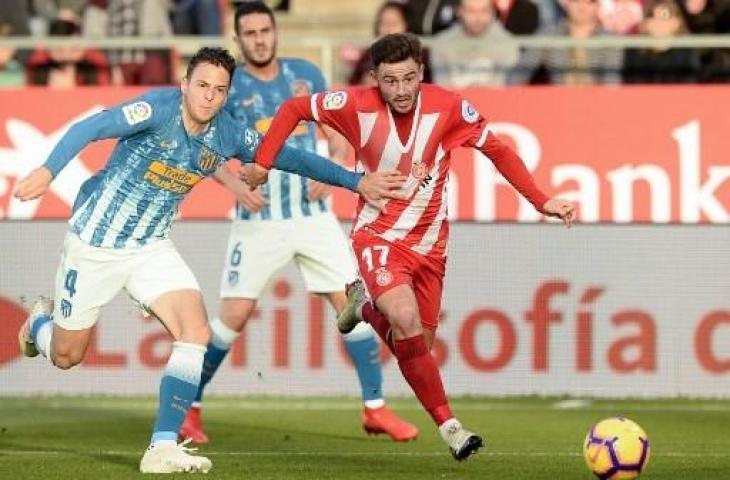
{"x":446,"y":426}
{"x":223,"y":336}
{"x":377,"y":403}
{"x":361,"y":331}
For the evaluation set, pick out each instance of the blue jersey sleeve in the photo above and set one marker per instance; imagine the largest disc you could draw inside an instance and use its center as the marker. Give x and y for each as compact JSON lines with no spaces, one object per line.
{"x":303,"y":163}
{"x":124,"y":120}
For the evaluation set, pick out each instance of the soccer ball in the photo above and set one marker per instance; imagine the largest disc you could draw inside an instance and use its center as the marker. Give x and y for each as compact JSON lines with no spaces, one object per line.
{"x":616,"y":448}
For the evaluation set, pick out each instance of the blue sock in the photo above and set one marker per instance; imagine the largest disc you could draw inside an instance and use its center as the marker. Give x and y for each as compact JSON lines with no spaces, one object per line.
{"x":365,"y":353}
{"x":213,"y":359}
{"x":220,"y":343}
{"x":177,"y":389}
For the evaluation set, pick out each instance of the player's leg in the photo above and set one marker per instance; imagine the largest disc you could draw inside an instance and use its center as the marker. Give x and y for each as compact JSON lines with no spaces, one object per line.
{"x":428,"y":289}
{"x":255,"y":251}
{"x":87,"y":278}
{"x":163,"y":284}
{"x":325,"y":260}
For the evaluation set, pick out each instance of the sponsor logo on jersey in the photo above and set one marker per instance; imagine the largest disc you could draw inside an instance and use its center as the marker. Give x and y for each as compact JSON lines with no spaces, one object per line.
{"x":253,"y":99}
{"x":469,"y":113}
{"x":137,"y":112}
{"x":170,"y":178}
{"x":208,"y":160}
{"x":168,"y":144}
{"x":383,"y":277}
{"x":300,"y":88}
{"x":334,"y":100}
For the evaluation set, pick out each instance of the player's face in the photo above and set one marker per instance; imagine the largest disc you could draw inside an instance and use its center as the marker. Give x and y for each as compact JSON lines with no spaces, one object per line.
{"x":399,"y":83}
{"x":257,"y":39}
{"x":205,"y":92}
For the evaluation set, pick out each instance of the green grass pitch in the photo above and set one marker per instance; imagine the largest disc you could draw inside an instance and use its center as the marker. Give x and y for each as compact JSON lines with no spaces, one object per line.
{"x":321,"y":438}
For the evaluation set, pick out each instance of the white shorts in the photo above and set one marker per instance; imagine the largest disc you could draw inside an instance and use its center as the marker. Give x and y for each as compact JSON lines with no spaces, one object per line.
{"x":90,"y":277}
{"x":258,"y":249}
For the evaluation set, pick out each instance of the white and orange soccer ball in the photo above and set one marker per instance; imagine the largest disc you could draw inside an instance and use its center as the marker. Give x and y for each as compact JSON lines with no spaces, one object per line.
{"x":616,"y":449}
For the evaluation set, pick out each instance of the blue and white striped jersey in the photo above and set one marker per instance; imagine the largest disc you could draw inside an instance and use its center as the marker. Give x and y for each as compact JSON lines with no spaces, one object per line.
{"x":254,"y":102}
{"x":135,"y":198}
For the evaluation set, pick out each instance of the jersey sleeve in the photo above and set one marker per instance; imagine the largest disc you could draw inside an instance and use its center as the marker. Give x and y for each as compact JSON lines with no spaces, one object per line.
{"x":123,"y":120}
{"x":338,"y":109}
{"x":470,"y":129}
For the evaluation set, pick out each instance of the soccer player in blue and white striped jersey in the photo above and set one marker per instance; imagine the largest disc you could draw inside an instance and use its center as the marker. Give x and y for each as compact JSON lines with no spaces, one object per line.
{"x":288,"y":219}
{"x":169,"y":140}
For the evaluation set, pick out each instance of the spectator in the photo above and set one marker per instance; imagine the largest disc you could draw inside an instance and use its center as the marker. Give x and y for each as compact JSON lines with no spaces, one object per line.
{"x":46,"y":11}
{"x":14,"y":17}
{"x":390,"y":18}
{"x":469,"y":53}
{"x":11,"y":70}
{"x":519,"y":17}
{"x":662,"y":64}
{"x":550,"y":13}
{"x":577,"y":65}
{"x":428,"y":17}
{"x":67,"y":67}
{"x":143,"y":18}
{"x":622,"y":17}
{"x":710,"y":17}
{"x":197,"y":17}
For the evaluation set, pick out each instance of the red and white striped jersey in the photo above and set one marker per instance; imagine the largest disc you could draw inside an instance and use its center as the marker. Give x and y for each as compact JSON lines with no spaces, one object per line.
{"x":441,"y":121}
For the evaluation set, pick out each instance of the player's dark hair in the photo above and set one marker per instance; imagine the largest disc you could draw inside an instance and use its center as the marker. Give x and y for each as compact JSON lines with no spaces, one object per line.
{"x":248,"y":8}
{"x":215,"y":56}
{"x":394,"y":48}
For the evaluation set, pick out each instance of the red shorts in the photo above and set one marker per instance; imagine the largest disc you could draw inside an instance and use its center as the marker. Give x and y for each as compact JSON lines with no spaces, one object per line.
{"x":384,"y":265}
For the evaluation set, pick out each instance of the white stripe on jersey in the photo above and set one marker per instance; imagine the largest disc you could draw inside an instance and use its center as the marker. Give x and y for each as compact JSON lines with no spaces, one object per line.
{"x":482,"y":137}
{"x":411,"y":136}
{"x":275,"y":200}
{"x":432,"y":234}
{"x":313,"y":107}
{"x":367,"y":122}
{"x":418,"y":205}
{"x":125,"y":211}
{"x":295,"y":193}
{"x":108,"y":193}
{"x":143,"y":223}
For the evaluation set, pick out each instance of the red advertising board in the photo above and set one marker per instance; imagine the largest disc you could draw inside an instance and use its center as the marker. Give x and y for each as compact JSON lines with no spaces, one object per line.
{"x":624,"y":154}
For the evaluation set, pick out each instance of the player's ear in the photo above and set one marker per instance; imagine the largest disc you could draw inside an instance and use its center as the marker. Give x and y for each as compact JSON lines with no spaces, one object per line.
{"x":373,"y":75}
{"x":184,"y":85}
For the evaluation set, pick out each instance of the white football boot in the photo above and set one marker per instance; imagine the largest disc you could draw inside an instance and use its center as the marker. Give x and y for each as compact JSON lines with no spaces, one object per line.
{"x":173,"y":458}
{"x":461,"y":441}
{"x":44,"y":306}
{"x":349,"y":317}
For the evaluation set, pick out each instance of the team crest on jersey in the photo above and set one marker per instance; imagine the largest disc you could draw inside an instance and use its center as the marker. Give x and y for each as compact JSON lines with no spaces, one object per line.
{"x":300,"y":88}
{"x":208,"y":160}
{"x":469,"y":113}
{"x":334,"y":100}
{"x":137,"y":112}
{"x":419,"y":171}
{"x":383,"y":277}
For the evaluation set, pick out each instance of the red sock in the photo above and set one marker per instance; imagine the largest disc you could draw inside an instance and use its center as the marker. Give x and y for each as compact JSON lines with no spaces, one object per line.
{"x":379,"y":323}
{"x":420,"y":371}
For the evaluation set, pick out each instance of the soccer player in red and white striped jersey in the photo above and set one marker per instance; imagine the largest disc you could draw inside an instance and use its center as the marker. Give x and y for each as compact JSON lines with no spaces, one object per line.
{"x":401,"y":250}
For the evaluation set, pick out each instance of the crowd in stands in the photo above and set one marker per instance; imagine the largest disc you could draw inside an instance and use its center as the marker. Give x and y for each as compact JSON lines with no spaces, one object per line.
{"x":465,"y":39}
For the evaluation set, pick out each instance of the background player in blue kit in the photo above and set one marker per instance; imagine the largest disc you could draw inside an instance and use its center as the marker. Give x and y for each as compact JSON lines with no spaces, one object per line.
{"x":169,"y":140}
{"x":286,"y":219}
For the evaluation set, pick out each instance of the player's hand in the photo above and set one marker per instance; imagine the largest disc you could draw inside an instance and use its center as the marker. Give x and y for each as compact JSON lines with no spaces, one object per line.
{"x":318,"y":190}
{"x":562,"y":209}
{"x":34,"y":184}
{"x":377,"y":187}
{"x":254,"y":175}
{"x":252,"y":200}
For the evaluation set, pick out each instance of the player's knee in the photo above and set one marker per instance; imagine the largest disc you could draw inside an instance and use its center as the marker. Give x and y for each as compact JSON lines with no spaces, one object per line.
{"x":405,"y":319}
{"x":199,"y":334}
{"x":66,"y":359}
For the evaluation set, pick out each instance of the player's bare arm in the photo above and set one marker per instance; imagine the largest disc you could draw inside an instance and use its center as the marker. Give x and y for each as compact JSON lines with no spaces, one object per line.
{"x":253,"y":200}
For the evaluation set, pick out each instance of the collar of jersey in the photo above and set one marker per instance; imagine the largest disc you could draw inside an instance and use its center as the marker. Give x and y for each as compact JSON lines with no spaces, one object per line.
{"x":414,"y":126}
